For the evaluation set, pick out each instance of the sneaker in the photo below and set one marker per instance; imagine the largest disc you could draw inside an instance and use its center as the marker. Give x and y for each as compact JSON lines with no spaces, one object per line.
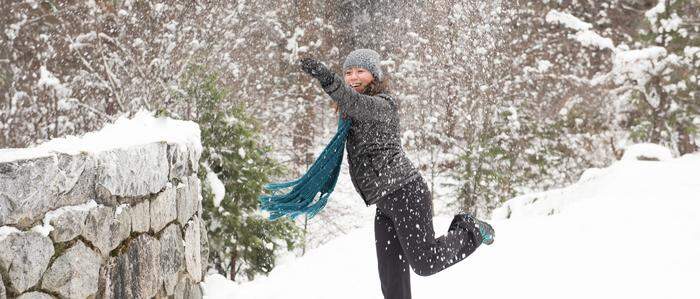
{"x":487,"y":232}
{"x":468,"y":222}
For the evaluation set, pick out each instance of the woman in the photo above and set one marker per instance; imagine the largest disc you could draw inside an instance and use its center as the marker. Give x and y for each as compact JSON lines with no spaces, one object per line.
{"x":383,"y":175}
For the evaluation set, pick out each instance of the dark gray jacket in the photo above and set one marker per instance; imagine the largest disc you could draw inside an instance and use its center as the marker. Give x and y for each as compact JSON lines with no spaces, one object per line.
{"x":378,"y":164}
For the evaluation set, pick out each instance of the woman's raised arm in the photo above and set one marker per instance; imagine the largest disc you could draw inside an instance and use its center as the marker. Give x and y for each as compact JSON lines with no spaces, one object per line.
{"x":350,"y":102}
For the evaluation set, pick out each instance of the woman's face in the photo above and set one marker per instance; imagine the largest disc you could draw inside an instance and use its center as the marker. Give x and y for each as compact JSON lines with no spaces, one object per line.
{"x":358,"y":78}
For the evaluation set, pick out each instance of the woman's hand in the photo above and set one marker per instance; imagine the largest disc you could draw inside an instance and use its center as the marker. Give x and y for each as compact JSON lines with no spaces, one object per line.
{"x":317,"y":70}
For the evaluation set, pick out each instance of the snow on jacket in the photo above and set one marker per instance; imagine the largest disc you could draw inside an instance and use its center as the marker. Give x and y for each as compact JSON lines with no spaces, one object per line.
{"x":378,"y":164}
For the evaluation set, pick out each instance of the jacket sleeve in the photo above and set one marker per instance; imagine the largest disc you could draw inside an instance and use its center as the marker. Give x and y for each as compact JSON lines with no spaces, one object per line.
{"x":357,"y":105}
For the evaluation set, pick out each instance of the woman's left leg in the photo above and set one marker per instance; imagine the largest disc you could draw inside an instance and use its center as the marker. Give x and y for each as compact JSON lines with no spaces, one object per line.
{"x":410,"y":211}
{"x":394,"y":274}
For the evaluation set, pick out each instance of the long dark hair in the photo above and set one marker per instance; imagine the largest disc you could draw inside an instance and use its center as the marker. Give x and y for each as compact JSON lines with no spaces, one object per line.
{"x":373,"y":88}
{"x":377,"y":86}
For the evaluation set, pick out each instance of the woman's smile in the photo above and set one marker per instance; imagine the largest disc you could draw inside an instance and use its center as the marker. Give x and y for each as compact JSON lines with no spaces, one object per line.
{"x":358,"y":78}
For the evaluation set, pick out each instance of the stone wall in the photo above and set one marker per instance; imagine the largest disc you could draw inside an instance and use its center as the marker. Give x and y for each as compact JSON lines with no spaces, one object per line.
{"x":117,"y":223}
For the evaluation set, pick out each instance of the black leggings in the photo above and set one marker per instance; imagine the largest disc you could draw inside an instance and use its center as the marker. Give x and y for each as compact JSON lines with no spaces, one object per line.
{"x":404,"y":235}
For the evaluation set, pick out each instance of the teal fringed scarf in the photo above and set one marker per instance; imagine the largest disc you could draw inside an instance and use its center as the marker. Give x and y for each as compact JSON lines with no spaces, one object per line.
{"x":319,"y":178}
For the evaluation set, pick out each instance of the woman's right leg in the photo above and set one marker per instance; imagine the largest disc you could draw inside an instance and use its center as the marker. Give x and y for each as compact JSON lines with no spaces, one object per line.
{"x":394,"y":272}
{"x":410,"y":211}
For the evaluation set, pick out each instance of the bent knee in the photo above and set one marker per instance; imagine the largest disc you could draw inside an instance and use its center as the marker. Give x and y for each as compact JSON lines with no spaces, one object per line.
{"x":425,"y":270}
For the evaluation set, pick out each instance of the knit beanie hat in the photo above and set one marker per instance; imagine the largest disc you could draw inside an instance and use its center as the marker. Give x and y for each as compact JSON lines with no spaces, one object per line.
{"x":366,"y":59}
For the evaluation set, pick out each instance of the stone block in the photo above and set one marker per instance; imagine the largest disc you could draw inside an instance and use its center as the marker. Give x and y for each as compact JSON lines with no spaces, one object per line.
{"x":172,"y":256}
{"x":3,"y":292}
{"x":193,"y":256}
{"x":140,"y":217}
{"x":73,"y":274}
{"x":67,"y":225}
{"x":136,"y":171}
{"x":29,"y":188}
{"x":106,"y":229}
{"x":187,"y":198}
{"x":195,"y":155}
{"x":179,"y":160}
{"x":134,"y":273}
{"x":76,"y":184}
{"x":187,"y":289}
{"x":204,"y":249}
{"x":23,"y":259}
{"x":163,"y":209}
{"x":35,"y":295}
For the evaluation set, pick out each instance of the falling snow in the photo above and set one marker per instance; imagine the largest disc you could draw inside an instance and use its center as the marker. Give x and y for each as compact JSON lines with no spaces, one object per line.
{"x":489,"y":102}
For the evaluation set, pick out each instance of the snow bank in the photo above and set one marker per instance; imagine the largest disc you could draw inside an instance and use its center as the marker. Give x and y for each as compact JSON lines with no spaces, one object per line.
{"x":647,"y":151}
{"x":143,"y":128}
{"x":631,"y":177}
{"x":631,"y":230}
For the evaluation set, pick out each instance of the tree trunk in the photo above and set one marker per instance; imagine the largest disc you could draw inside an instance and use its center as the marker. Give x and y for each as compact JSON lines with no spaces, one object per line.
{"x":304,"y":129}
{"x":685,"y":144}
{"x":234,"y":256}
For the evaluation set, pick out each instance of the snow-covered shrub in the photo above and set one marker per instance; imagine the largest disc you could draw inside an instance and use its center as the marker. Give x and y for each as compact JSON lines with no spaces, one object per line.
{"x":235,"y":166}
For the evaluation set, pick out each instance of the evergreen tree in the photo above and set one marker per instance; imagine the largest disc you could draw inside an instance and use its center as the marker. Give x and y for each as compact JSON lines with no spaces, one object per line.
{"x":242,"y":241}
{"x":652,"y":82}
{"x":664,"y":98}
{"x":515,"y":154}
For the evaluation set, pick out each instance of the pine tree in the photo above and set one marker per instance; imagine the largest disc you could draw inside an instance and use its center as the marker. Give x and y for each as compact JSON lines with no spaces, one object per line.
{"x":652,"y":82}
{"x":242,"y":241}
{"x":664,"y":99}
{"x":513,"y":154}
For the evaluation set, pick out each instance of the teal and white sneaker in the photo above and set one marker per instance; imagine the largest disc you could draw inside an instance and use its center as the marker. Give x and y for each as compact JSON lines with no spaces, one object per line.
{"x":487,"y":232}
{"x":468,"y":222}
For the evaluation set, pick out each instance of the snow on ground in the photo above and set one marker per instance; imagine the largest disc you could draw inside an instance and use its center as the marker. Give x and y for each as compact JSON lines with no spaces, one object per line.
{"x":647,"y":151}
{"x":631,"y":230}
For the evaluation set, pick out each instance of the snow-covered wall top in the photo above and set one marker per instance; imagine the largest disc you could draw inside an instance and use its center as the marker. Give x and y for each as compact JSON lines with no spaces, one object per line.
{"x":114,"y":213}
{"x":130,"y":158}
{"x":142,"y":129}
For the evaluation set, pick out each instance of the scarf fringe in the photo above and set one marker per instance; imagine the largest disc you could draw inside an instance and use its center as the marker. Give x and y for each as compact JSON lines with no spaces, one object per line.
{"x":310,"y":192}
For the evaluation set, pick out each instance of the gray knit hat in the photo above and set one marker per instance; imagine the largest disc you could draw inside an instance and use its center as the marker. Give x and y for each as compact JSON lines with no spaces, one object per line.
{"x":366,"y":59}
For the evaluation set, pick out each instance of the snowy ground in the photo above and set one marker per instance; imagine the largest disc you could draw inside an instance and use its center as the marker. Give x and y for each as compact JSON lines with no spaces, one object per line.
{"x":631,"y":230}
